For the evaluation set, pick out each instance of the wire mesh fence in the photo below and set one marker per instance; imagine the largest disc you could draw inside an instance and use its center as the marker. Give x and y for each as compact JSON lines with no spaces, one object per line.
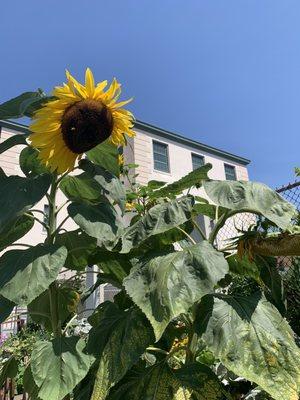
{"x":242,"y":222}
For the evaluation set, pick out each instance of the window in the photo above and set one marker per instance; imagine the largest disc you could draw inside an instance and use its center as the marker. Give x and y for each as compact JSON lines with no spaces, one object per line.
{"x":161,"y":157}
{"x":230,"y":172}
{"x":197,"y":161}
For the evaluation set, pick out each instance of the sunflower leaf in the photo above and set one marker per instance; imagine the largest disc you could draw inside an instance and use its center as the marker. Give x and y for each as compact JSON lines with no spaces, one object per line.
{"x":18,"y":195}
{"x":16,"y":230}
{"x":25,"y":274}
{"x":65,"y":358}
{"x":12,"y":141}
{"x":30,"y":164}
{"x":167,"y":285}
{"x":98,"y":221}
{"x":23,"y":105}
{"x":108,"y":182}
{"x":242,"y":196}
{"x":106,"y":155}
{"x":250,"y":338}
{"x":192,"y":179}
{"x":129,"y":334}
{"x":158,"y":219}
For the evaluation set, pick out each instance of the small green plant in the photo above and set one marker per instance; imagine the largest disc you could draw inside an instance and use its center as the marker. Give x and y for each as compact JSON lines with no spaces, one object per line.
{"x":174,"y":319}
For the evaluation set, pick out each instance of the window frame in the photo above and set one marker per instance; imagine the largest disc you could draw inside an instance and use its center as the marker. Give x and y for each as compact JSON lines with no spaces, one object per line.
{"x":167,"y":156}
{"x":199,"y":156}
{"x":234,"y":169}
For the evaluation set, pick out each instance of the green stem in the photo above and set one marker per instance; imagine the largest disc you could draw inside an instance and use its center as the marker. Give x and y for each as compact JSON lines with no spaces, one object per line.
{"x":50,"y":240}
{"x":220,"y":223}
{"x":202,"y":234}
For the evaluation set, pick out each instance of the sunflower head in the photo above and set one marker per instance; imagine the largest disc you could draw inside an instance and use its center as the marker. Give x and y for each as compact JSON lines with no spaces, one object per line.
{"x":80,"y":118}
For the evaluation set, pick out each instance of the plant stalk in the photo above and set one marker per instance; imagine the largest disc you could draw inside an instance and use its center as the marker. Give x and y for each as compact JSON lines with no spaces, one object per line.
{"x":50,"y":240}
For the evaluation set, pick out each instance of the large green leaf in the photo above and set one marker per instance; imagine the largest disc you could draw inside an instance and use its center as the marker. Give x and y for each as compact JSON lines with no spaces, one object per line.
{"x":9,"y":370}
{"x":114,"y":265}
{"x":99,"y":221}
{"x":200,"y":379}
{"x":30,"y":163}
{"x":6,"y":308}
{"x":158,"y":219}
{"x":106,"y":154}
{"x":80,"y":248}
{"x":128,"y":339}
{"x":195,"y":177}
{"x":242,"y":196}
{"x":58,"y":366}
{"x":25,"y":274}
{"x":18,"y":195}
{"x":153,"y":383}
{"x":82,"y":188}
{"x":168,"y":285}
{"x":29,"y":384}
{"x":40,"y":308}
{"x":250,"y":337}
{"x":273,"y":284}
{"x":108,"y":183}
{"x":23,"y":105}
{"x":16,"y":231}
{"x":243,"y":266}
{"x":12,"y":141}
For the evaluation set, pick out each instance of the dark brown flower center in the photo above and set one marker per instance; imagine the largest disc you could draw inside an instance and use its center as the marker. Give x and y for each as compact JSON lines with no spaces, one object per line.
{"x":85,"y":124}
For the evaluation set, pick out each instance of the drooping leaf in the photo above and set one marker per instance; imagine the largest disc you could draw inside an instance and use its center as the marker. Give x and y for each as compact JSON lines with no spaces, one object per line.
{"x":14,"y":140}
{"x":29,"y":385}
{"x":6,"y":308}
{"x":243,"y":196}
{"x":158,"y":219}
{"x":195,"y":177}
{"x":40,"y":309}
{"x":168,"y":285}
{"x":129,"y":337}
{"x":200,"y":379}
{"x":9,"y":370}
{"x":99,"y":221}
{"x":25,"y":274}
{"x":108,"y":183}
{"x":82,"y":188}
{"x":30,"y":164}
{"x":23,"y":105}
{"x":58,"y":366}
{"x":158,"y":382}
{"x":250,"y":338}
{"x":243,"y":266}
{"x":272,"y":280}
{"x":105,"y":154}
{"x":18,"y":195}
{"x":16,"y":231}
{"x":80,"y":248}
{"x":113,"y":264}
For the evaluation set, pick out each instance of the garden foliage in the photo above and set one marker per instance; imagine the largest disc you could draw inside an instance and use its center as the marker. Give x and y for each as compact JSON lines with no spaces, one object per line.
{"x":174,"y":319}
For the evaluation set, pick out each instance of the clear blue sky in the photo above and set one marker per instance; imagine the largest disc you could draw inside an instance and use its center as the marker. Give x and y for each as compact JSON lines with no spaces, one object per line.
{"x":224,"y":72}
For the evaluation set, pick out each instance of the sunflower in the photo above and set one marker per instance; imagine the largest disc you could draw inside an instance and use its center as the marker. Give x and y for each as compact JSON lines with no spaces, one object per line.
{"x":78,"y":119}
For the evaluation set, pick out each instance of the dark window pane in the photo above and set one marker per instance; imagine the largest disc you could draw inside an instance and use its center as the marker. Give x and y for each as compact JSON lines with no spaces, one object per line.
{"x":160,"y":156}
{"x":230,"y":172}
{"x":197,"y":161}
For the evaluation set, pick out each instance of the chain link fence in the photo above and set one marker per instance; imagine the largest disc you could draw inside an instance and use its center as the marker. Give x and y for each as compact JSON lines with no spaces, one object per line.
{"x":242,"y":222}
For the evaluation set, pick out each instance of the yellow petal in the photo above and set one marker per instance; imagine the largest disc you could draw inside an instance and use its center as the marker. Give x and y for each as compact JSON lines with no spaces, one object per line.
{"x":89,"y":82}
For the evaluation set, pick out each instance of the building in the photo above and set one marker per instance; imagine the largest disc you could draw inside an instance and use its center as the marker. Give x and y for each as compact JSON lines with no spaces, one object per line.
{"x":159,"y":154}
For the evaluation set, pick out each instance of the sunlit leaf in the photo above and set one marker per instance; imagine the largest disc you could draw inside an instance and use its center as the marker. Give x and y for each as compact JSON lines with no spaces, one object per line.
{"x":25,"y":274}
{"x":166,"y":286}
{"x":250,"y":338}
{"x":58,"y":366}
{"x":243,"y":196}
